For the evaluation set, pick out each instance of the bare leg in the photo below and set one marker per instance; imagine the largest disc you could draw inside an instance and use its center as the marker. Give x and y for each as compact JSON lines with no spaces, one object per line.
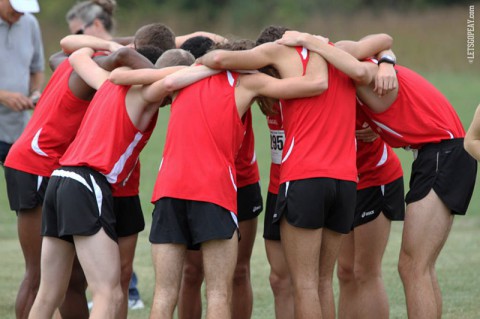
{"x":280,"y":280}
{"x":219,"y":260}
{"x":29,"y":223}
{"x":370,"y":243}
{"x":100,"y":259}
{"x":127,"y":247}
{"x":302,"y":252}
{"x":190,"y":298}
{"x":242,"y":303}
{"x":57,"y":260}
{"x":331,"y":242}
{"x":167,"y":261}
{"x":75,"y":304}
{"x":427,"y":225}
{"x":347,"y":300}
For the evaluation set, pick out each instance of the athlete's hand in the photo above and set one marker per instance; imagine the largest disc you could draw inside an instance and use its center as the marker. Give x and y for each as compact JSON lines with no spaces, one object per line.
{"x":15,"y":101}
{"x":385,"y":80}
{"x":366,"y":135}
{"x":293,"y":38}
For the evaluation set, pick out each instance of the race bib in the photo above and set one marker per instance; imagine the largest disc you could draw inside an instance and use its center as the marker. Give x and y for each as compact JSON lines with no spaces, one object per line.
{"x":277,"y":140}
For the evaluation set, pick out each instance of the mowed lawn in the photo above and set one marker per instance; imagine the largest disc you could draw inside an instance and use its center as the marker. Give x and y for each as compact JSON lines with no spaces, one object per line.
{"x":457,"y":266}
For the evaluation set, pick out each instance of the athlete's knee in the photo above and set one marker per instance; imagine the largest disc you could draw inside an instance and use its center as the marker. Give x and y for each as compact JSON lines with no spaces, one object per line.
{"x":241,"y":275}
{"x":364,"y":273}
{"x":411,"y":268}
{"x":126,"y":275}
{"x":192,"y":275}
{"x":31,"y":280}
{"x":78,"y":282}
{"x":280,"y":283}
{"x":345,"y":273}
{"x":111,"y":296}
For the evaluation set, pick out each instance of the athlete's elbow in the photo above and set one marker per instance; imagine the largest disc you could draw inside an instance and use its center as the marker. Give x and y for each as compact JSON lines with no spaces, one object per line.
{"x":65,"y":44}
{"x":170,"y":84}
{"x":218,"y":60}
{"x":387,"y":40}
{"x":361,"y":76}
{"x":319,"y":85}
{"x":114,"y":77}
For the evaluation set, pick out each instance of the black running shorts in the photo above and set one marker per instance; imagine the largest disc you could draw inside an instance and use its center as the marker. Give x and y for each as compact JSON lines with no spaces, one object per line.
{"x":371,"y":201}
{"x":317,"y":202}
{"x":24,"y":190}
{"x":129,"y":215}
{"x":249,"y":202}
{"x":446,"y":168}
{"x":187,"y":222}
{"x":78,"y":202}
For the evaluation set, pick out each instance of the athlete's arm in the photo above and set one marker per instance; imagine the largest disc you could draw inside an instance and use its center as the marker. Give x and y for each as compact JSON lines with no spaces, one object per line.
{"x":124,"y":57}
{"x":123,"y":76}
{"x":83,"y":64}
{"x":374,"y":45}
{"x":368,"y":46}
{"x":366,"y":135}
{"x":253,"y":59}
{"x":288,"y":88}
{"x":472,"y":137}
{"x":73,"y":42}
{"x":215,"y":37}
{"x":362,"y":73}
{"x":176,"y":81}
{"x":55,"y":60}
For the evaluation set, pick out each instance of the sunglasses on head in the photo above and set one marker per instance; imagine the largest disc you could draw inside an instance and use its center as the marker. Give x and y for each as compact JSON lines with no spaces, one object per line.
{"x":82,"y":30}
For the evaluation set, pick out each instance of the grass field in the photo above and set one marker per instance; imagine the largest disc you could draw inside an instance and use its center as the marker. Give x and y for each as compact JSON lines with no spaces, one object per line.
{"x":457,"y":266}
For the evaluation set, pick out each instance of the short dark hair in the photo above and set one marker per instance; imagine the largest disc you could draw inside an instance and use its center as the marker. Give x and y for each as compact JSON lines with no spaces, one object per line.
{"x":150,"y":52}
{"x":235,"y":45}
{"x":198,"y":45}
{"x":271,"y":34}
{"x":155,"y":34}
{"x":174,"y":57}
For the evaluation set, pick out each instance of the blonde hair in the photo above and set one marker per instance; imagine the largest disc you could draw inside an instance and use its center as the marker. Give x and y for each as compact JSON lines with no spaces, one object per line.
{"x":174,"y":57}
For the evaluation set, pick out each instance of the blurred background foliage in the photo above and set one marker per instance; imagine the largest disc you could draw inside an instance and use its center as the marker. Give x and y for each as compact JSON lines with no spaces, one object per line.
{"x":428,"y":35}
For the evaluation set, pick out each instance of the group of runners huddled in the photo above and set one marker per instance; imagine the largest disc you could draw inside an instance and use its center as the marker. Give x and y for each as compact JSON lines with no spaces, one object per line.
{"x":335,"y":110}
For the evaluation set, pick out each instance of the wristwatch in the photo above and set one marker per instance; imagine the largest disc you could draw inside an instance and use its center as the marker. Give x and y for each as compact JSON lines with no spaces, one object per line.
{"x":387,"y":59}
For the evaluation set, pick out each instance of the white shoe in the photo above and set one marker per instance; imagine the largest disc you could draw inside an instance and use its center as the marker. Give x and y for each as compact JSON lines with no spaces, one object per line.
{"x":135,"y":304}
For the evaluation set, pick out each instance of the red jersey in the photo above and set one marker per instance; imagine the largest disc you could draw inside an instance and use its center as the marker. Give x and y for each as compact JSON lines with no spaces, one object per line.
{"x":246,"y":164}
{"x":320,"y":132}
{"x":203,"y":137}
{"x":130,"y":185}
{"x":107,"y":140}
{"x":52,"y":127}
{"x":377,"y":163}
{"x":419,"y":115}
{"x":277,"y":140}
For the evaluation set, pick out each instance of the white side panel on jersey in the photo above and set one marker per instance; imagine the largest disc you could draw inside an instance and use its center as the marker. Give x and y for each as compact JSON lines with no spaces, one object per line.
{"x":35,"y":147}
{"x":386,"y":128}
{"x":120,"y":164}
{"x":231,"y":79}
{"x":384,"y":156}
{"x":231,"y":178}
{"x":289,"y":150}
